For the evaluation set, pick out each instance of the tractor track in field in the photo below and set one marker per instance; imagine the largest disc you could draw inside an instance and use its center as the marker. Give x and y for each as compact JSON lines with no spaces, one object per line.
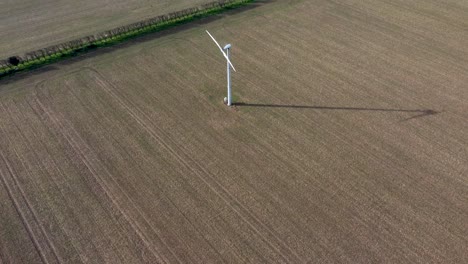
{"x":121,"y":190}
{"x":36,"y":241}
{"x":97,"y":120}
{"x":55,"y":171}
{"x":29,"y":145}
{"x":55,"y":121}
{"x":21,"y":215}
{"x":219,"y":189}
{"x":347,"y":143}
{"x":96,"y":192}
{"x":342,"y":138}
{"x":2,"y":258}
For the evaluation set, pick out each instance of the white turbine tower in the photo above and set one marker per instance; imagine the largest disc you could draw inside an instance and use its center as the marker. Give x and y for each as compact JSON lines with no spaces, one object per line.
{"x":229,"y":65}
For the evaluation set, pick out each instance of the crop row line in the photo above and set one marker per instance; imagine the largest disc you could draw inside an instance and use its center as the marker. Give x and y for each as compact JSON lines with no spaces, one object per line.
{"x":75,"y":47}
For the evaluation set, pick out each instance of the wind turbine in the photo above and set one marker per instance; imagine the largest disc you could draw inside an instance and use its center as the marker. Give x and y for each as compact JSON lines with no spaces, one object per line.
{"x":229,"y":65}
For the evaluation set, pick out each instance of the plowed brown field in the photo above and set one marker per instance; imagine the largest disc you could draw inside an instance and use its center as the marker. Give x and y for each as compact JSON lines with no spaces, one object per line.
{"x":348,"y":143}
{"x":27,"y":25}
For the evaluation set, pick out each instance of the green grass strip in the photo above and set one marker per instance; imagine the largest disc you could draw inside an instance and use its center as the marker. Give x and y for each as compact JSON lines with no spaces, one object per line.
{"x":113,"y":40}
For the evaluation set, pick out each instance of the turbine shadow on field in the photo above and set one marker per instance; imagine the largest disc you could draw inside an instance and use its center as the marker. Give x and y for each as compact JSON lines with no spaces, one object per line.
{"x":419,"y":112}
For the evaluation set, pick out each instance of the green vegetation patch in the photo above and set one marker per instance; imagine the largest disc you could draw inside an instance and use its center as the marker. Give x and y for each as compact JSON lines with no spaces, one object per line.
{"x":73,"y":48}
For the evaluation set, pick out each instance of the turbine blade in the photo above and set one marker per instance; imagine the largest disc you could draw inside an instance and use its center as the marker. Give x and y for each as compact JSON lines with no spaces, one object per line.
{"x":222,"y":51}
{"x":217,"y":44}
{"x":229,"y":61}
{"x":231,"y":64}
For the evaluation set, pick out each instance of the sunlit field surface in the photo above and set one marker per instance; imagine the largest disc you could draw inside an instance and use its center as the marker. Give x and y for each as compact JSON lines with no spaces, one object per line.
{"x":29,"y":25}
{"x":348,"y":142}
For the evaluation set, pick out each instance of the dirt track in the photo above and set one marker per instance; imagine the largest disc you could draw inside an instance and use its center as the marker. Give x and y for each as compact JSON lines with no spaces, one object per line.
{"x":349,"y":142}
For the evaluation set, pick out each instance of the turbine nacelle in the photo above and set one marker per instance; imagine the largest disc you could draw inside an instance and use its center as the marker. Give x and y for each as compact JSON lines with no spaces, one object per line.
{"x":228,"y":46}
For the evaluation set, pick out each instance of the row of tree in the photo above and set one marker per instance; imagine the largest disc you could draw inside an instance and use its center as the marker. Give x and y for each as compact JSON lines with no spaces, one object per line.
{"x":128,"y":30}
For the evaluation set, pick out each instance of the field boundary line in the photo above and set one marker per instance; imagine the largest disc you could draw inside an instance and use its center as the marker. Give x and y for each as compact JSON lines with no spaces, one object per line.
{"x":55,"y":53}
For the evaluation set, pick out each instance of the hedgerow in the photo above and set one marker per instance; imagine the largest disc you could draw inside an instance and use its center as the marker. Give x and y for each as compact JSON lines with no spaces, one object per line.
{"x":110,"y":37}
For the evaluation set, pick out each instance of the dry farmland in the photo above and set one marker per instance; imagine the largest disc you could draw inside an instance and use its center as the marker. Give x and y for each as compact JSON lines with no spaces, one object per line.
{"x":27,"y":25}
{"x":349,"y":143}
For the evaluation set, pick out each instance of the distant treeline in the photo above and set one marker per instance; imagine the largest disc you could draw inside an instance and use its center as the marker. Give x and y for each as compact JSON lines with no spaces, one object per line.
{"x":46,"y":55}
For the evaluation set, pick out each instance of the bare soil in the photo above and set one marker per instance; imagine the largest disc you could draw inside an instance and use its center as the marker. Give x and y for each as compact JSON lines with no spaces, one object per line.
{"x":349,"y":142}
{"x":27,"y":25}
